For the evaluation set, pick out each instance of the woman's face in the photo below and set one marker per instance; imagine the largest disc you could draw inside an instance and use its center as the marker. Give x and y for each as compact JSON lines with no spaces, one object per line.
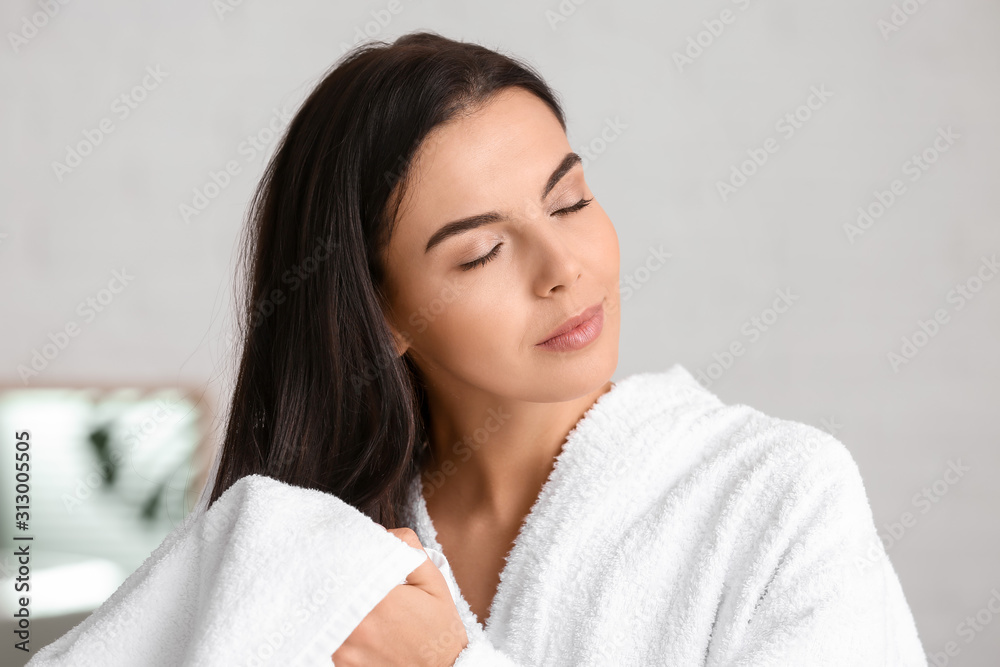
{"x":471,"y":306}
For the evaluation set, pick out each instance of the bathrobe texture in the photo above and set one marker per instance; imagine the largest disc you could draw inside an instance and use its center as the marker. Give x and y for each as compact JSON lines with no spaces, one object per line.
{"x":673,"y":530}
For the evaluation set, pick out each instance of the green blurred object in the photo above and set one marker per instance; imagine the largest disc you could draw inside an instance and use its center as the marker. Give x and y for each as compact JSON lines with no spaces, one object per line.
{"x":100,"y":439}
{"x":101,"y":443}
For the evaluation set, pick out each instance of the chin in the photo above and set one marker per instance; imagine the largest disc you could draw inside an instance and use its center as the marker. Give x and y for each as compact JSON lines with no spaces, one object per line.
{"x":569,"y":376}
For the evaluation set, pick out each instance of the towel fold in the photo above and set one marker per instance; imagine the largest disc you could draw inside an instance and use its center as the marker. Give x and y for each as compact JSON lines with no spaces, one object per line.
{"x":271,"y":574}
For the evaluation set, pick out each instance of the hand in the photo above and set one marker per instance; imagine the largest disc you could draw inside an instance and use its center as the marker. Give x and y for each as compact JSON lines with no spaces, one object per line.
{"x":417,"y":623}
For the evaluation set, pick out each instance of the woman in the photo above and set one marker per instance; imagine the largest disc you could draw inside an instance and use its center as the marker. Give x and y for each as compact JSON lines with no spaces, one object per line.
{"x":432,"y":313}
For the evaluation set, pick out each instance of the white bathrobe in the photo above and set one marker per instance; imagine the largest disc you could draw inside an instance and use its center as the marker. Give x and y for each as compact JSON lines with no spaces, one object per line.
{"x":673,"y":530}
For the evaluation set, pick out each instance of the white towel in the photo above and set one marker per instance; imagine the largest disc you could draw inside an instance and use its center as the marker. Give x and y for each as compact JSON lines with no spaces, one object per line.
{"x":673,"y":530}
{"x":272,"y":574}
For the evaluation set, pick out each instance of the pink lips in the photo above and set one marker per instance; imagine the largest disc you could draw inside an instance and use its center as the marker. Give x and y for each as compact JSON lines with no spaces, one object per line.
{"x":577,"y":332}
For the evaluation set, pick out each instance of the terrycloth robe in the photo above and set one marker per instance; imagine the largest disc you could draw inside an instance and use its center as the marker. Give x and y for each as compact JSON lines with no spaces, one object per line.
{"x":677,"y":530}
{"x":673,"y":530}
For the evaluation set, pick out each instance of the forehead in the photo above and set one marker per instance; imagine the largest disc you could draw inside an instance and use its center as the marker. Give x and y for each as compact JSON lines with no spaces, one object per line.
{"x":494,"y":157}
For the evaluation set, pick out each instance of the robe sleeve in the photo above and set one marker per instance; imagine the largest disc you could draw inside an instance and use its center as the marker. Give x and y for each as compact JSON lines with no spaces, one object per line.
{"x":833,"y":598}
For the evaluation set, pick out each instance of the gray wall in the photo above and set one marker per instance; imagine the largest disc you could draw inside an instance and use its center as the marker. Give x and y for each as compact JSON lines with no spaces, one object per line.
{"x":680,"y":128}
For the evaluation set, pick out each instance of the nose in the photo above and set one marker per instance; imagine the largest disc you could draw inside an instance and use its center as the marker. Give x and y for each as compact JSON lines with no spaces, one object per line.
{"x":555,"y":262}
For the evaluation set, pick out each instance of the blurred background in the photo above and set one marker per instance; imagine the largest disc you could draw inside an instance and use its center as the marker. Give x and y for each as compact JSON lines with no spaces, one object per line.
{"x":816,"y":182}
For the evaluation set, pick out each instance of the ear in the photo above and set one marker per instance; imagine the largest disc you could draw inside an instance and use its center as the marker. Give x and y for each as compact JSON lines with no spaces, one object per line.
{"x":402,"y":340}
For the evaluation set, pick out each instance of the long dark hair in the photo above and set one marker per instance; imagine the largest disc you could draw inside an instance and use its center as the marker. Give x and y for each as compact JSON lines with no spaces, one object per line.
{"x":322,"y":398}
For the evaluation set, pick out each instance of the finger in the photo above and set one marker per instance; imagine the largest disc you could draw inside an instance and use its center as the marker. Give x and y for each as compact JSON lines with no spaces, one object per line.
{"x":426,"y":576}
{"x":407,"y":535}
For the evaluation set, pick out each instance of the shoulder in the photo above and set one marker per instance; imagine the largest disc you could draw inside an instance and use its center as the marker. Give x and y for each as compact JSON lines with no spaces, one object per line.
{"x":797,"y":461}
{"x":740,"y":447}
{"x":803,"y":479}
{"x":777,"y":485}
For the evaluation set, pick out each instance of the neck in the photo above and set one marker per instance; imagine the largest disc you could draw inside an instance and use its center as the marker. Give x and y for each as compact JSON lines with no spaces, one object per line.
{"x":491,"y":457}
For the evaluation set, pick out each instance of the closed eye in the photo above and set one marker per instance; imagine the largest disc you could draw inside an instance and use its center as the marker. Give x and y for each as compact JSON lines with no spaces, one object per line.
{"x":468,"y":266}
{"x":482,"y":260}
{"x":575,"y":207}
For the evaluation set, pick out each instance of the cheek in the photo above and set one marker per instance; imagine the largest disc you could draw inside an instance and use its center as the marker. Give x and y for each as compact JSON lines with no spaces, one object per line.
{"x":603,"y":250}
{"x":464,"y":324}
{"x":606,"y":265}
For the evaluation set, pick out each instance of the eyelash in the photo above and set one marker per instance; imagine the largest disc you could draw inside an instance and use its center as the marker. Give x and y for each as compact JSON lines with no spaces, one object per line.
{"x":496,"y":249}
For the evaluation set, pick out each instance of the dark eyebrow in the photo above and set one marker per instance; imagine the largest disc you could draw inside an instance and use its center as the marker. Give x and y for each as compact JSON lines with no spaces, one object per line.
{"x":458,"y":226}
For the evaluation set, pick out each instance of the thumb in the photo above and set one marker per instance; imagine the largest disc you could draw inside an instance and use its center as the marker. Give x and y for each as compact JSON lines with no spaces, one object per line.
{"x":426,"y":576}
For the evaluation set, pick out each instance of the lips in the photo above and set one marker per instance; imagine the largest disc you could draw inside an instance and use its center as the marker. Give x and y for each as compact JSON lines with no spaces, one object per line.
{"x":573,"y":322}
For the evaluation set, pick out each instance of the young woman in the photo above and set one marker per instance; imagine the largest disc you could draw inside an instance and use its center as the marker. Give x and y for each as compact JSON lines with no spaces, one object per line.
{"x":431,"y":325}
